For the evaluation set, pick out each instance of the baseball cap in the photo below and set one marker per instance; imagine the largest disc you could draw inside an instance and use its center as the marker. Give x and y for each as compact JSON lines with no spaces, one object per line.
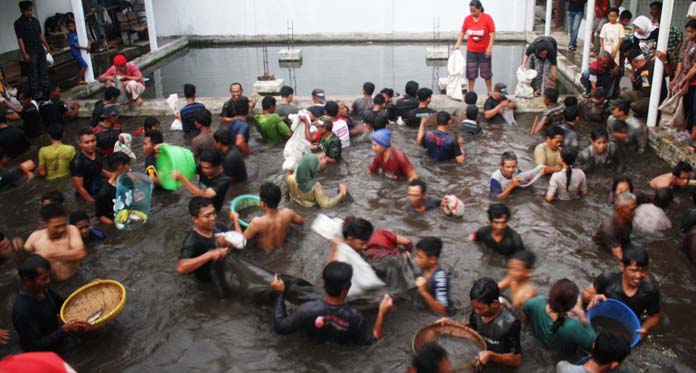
{"x":633,"y":54}
{"x":324,"y":121}
{"x":501,"y":87}
{"x":120,"y":60}
{"x":109,"y":111}
{"x":319,"y":93}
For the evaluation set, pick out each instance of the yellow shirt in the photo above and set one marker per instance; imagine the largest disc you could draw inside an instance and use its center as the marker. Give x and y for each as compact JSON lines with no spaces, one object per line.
{"x":56,"y":158}
{"x":315,"y":196}
{"x":547,"y":157}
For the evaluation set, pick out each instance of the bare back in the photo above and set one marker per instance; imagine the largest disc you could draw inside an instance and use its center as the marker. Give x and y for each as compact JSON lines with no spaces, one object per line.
{"x":272,"y":228}
{"x":55,"y":250}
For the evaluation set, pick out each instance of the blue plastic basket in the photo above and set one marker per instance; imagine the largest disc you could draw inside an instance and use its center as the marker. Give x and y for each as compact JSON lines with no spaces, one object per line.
{"x":620,"y":312}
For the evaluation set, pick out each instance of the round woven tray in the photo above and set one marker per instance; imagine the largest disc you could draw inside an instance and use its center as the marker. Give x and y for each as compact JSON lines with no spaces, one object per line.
{"x":105,"y":298}
{"x":432,"y":333}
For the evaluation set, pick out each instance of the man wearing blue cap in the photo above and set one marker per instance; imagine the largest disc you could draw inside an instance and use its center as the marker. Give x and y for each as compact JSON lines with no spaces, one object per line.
{"x":392,"y":162}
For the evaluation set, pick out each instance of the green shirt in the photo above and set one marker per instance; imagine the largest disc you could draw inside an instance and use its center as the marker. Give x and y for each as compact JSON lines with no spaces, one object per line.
{"x":332,"y":146}
{"x":272,"y":128}
{"x":571,"y":336}
{"x":56,"y":158}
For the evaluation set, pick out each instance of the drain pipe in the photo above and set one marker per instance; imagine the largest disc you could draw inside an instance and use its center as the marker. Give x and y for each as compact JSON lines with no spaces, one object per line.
{"x":589,"y":25}
{"x":549,"y":9}
{"x":79,"y":14}
{"x":151,"y":29}
{"x":658,"y":74}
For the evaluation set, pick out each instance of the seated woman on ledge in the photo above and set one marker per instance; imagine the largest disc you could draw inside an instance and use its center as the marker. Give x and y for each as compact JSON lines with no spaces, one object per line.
{"x":305,"y":190}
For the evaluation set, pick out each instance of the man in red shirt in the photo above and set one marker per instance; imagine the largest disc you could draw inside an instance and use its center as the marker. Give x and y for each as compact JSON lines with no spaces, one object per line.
{"x":480,"y":30}
{"x":129,"y":75}
{"x":391,"y":161}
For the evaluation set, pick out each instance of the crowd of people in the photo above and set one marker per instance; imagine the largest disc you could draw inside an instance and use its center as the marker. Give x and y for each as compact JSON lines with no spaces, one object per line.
{"x":323,"y":131}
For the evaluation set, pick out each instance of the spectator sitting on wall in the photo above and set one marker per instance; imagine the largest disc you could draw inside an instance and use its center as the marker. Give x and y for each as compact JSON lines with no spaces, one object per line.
{"x":131,"y":79}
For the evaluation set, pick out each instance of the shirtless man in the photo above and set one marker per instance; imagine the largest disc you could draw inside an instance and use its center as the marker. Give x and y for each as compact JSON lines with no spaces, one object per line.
{"x":677,"y":179}
{"x":273,"y":226}
{"x":58,"y":242}
{"x":520,"y":267}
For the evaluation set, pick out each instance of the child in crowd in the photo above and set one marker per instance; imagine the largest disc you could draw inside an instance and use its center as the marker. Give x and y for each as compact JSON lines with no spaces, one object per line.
{"x":363,"y":103}
{"x":54,"y":159}
{"x":433,"y":282}
{"x":75,"y":51}
{"x":498,"y":236}
{"x":553,"y":114}
{"x":593,"y":109}
{"x":89,"y":234}
{"x":612,"y":34}
{"x":269,"y":124}
{"x":151,"y":139}
{"x":213,"y":182}
{"x":625,"y":20}
{"x":119,"y":162}
{"x":470,"y":125}
{"x":520,"y":268}
{"x":202,"y":119}
{"x":504,"y":180}
{"x":568,"y":183}
{"x":572,"y":119}
{"x":601,"y":154}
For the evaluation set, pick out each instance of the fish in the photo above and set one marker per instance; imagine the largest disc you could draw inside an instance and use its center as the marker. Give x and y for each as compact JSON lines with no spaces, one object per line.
{"x":92,"y":319}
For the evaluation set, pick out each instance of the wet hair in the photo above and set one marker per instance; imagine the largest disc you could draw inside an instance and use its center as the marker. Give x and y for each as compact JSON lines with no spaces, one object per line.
{"x":369,"y":88}
{"x":357,"y":228}
{"x":203,"y":117}
{"x":619,"y":126}
{"x":497,"y":211}
{"x":111,"y":93}
{"x":286,"y":91}
{"x":411,"y":88}
{"x":381,"y":120}
{"x":155,"y":136}
{"x":553,"y":131}
{"x":657,"y":4}
{"x":570,"y":101}
{"x":637,"y":255}
{"x":387,"y":91}
{"x":614,"y":10}
{"x":682,"y":166}
{"x":270,"y":194}
{"x":470,"y":98}
{"x":150,"y":122}
{"x":236,"y":84}
{"x":691,"y":24}
{"x":599,"y":133}
{"x":337,"y":276}
{"x":54,"y":196}
{"x":609,"y":348}
{"x":76,"y":216}
{"x":53,"y":210}
{"x":569,"y":154}
{"x":379,"y":100}
{"x":118,"y":159}
{"x":525,"y":256}
{"x":476,"y":4}
{"x":197,"y":203}
{"x":419,"y":183}
{"x":663,"y":197}
{"x":443,"y":118}
{"x":472,"y":112}
{"x":29,"y":268}
{"x":551,"y":94}
{"x":223,"y":136}
{"x":268,"y":102}
{"x":331,"y":108}
{"x":424,"y":94}
{"x":562,"y":298}
{"x":626,"y":14}
{"x":508,"y":156}
{"x":622,"y":105}
{"x":211,"y":156}
{"x":431,"y":246}
{"x":55,"y":131}
{"x":25,"y":5}
{"x":428,"y":358}
{"x":570,"y":114}
{"x":189,"y":90}
{"x":241,"y":107}
{"x":485,"y":290}
{"x":86,"y":131}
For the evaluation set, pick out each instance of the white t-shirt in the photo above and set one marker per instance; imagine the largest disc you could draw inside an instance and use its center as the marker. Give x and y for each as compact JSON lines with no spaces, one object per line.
{"x":613,"y":35}
{"x":557,"y":185}
{"x":340,"y":128}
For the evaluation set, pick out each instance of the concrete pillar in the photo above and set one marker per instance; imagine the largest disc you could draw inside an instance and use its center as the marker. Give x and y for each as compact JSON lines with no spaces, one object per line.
{"x":658,"y":74}
{"x":547,"y":24}
{"x":151,"y":29}
{"x":587,"y":42}
{"x":82,"y":37}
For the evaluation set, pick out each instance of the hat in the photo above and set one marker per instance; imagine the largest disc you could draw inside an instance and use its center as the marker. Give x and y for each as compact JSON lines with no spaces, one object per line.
{"x":633,"y":54}
{"x":325,"y":121}
{"x":382,"y":137}
{"x":319,"y":93}
{"x":500,"y":87}
{"x":120,"y":60}
{"x":109,"y":111}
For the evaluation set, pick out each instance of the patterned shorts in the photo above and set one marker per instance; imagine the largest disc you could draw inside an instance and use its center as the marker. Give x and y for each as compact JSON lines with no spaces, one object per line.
{"x":478,"y":63}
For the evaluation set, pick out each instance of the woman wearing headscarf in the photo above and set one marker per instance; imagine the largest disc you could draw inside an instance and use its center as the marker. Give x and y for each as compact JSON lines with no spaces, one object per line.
{"x":542,"y":55}
{"x":305,"y":190}
{"x":645,"y":36}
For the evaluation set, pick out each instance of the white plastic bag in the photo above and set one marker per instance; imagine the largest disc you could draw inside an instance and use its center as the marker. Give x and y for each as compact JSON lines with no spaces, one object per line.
{"x":235,"y":239}
{"x":172,"y":102}
{"x":456,"y":66}
{"x":524,"y":82}
{"x":124,"y":145}
{"x":327,"y":227}
{"x":453,"y":207}
{"x":651,"y":219}
{"x":364,"y":277}
{"x":297,"y":144}
{"x":528,"y":178}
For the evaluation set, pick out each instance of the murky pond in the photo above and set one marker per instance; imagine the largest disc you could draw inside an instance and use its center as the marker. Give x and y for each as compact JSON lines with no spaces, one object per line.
{"x":171,"y":324}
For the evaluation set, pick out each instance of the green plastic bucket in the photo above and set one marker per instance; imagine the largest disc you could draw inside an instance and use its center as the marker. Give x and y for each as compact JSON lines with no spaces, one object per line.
{"x":170,"y":158}
{"x":243,"y":202}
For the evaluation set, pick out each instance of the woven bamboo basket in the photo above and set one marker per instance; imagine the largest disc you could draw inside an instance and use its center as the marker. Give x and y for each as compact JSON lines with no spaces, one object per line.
{"x":432,"y":333}
{"x":100,"y":300}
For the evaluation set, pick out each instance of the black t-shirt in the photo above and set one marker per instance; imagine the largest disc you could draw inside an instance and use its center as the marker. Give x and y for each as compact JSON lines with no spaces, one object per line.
{"x":643,"y":78}
{"x":415,"y":116}
{"x":219,"y":184}
{"x":611,"y":234}
{"x":228,"y":108}
{"x":10,"y":177}
{"x":502,"y":334}
{"x":36,"y":321}
{"x":104,"y":201}
{"x":31,"y":121}
{"x":404,"y":105}
{"x":233,"y":165}
{"x":53,"y":111}
{"x":88,"y":169}
{"x":511,"y":242}
{"x":646,"y":299}
{"x":317,"y":110}
{"x":576,"y":5}
{"x":490,"y":104}
{"x":551,"y":46}
{"x":13,"y":141}
{"x":323,"y":322}
{"x":97,"y":113}
{"x":195,"y":245}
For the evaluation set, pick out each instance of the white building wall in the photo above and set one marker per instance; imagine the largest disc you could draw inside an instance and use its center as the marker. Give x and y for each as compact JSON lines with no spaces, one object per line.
{"x":256,"y":17}
{"x":10,"y":12}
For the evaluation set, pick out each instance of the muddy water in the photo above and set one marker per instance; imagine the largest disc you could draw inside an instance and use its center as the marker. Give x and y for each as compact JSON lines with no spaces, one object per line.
{"x":170,"y":324}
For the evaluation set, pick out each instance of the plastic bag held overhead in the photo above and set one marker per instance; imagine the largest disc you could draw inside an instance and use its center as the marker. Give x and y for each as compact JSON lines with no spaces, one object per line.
{"x":172,"y":102}
{"x":456,"y":66}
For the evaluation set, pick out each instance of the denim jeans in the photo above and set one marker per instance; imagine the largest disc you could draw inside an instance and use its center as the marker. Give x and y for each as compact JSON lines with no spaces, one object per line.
{"x":573,"y":20}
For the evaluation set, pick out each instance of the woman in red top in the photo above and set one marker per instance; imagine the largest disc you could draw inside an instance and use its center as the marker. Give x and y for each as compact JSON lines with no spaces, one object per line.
{"x":480,"y":30}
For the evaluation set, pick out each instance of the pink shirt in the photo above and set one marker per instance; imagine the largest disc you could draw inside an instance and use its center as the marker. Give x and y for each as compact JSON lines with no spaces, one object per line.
{"x":131,"y":70}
